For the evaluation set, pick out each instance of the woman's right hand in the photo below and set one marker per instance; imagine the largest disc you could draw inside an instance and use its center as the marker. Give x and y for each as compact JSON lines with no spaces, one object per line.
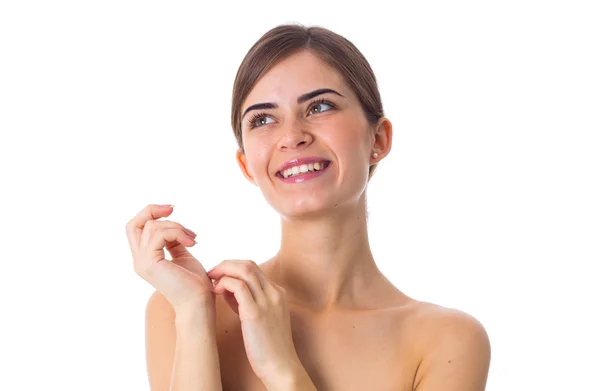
{"x":183,"y":280}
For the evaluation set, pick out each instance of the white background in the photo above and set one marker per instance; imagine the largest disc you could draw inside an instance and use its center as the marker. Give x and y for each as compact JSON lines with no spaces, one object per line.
{"x":488,"y":201}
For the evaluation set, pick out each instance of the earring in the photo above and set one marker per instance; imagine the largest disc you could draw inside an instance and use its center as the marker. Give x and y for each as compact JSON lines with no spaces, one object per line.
{"x":375,"y":155}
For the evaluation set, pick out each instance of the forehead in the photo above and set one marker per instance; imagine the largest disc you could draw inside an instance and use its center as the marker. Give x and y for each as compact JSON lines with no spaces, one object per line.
{"x":300,"y":73}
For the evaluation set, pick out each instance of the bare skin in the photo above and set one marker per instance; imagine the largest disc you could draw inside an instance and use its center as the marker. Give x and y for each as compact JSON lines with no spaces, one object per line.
{"x":389,"y":342}
{"x":341,"y":349}
{"x":379,"y":345}
{"x":351,"y":327}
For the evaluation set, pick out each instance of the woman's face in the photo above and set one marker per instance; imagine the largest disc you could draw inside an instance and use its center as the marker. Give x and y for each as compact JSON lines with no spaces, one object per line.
{"x":335,"y":130}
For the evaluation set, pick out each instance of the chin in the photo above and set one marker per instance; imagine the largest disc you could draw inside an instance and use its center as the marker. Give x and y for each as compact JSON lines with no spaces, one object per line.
{"x":303,"y":208}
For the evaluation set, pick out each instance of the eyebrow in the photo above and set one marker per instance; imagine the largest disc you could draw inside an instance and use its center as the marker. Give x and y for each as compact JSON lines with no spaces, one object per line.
{"x":301,"y":99}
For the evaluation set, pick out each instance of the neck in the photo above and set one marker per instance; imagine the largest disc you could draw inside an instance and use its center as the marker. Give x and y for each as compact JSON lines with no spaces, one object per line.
{"x":326,"y":263}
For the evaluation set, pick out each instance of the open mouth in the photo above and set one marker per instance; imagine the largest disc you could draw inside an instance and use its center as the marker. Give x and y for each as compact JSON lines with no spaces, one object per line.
{"x":303,"y":169}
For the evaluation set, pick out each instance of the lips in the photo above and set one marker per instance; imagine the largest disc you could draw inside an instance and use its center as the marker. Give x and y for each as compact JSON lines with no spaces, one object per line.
{"x":301,"y":160}
{"x":304,"y":177}
{"x":324,"y":165}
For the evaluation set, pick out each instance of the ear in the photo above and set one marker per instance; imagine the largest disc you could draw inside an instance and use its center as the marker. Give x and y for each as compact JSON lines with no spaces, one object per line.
{"x":382,"y":143}
{"x":243,"y":163}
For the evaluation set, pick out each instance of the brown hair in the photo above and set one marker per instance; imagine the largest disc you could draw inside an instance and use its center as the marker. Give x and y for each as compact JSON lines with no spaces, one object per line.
{"x":335,"y":50}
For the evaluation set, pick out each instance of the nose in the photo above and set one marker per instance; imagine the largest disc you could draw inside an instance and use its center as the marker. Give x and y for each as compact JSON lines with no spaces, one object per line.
{"x":293,"y":135}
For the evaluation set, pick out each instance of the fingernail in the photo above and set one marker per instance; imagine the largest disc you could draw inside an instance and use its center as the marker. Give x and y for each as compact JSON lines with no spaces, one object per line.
{"x":167,"y":206}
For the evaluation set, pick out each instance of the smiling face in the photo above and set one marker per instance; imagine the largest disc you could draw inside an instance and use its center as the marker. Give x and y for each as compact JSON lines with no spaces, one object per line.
{"x":284,"y":119}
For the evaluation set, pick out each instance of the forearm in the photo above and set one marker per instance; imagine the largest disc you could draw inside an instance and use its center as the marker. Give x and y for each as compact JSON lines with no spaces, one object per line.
{"x":196,"y":361}
{"x":301,"y":383}
{"x":296,"y":380}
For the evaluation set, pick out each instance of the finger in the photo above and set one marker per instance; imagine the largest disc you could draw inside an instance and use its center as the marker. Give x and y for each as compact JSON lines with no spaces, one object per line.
{"x":135,"y":226}
{"x":188,"y":231}
{"x":180,"y":255}
{"x":164,"y":237}
{"x":231,"y":301}
{"x":173,"y":224}
{"x":175,"y":248}
{"x":178,"y":251}
{"x":188,"y":262}
{"x":242,"y":295}
{"x":268,"y":287}
{"x":246,"y":271}
{"x":164,"y":275}
{"x":152,"y":226}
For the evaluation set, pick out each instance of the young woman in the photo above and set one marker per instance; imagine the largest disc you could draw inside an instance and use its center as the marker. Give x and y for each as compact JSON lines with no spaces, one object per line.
{"x":318,"y":315}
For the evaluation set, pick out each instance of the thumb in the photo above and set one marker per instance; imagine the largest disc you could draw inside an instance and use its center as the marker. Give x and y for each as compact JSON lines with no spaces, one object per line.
{"x":181,"y":256}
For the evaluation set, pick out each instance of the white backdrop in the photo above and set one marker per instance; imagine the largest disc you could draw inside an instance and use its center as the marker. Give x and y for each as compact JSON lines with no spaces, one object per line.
{"x":488,"y":201}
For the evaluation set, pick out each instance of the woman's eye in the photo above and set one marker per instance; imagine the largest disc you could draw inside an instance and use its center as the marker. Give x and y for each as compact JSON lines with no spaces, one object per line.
{"x":261,"y":121}
{"x":319,"y":107}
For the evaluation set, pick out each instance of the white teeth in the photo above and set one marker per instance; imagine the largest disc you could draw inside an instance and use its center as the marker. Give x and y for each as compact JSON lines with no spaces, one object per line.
{"x":302,"y":169}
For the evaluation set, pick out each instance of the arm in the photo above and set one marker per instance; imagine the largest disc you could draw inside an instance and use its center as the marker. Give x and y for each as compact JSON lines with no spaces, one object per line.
{"x":196,"y":364}
{"x":459,"y":357}
{"x":300,"y":381}
{"x":181,"y":349}
{"x":296,"y":379}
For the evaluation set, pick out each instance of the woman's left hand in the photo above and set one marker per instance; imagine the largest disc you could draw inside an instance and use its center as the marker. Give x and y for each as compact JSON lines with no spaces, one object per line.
{"x":265,"y":319}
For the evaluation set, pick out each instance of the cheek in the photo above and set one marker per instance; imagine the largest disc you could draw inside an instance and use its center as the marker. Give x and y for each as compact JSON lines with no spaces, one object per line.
{"x":349,"y":140}
{"x":258,"y":160}
{"x":346,"y":134}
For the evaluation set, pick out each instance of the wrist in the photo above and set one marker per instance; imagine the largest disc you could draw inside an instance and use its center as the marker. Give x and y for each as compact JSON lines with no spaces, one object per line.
{"x":195,"y":312}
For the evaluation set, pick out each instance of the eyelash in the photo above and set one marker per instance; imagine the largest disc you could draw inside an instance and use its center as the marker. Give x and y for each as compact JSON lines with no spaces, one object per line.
{"x":257,"y":116}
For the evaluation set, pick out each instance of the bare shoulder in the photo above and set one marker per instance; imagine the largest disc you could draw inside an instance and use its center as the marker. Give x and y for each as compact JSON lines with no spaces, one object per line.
{"x":440,"y":322}
{"x":454,"y":348}
{"x":160,"y":341}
